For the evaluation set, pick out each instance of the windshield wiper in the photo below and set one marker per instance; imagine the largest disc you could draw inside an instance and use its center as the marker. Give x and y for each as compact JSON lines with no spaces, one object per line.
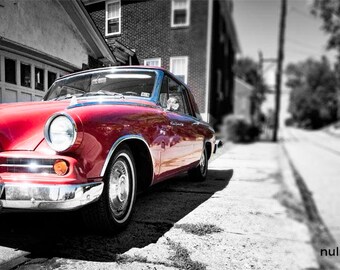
{"x":78,"y":93}
{"x":105,"y":93}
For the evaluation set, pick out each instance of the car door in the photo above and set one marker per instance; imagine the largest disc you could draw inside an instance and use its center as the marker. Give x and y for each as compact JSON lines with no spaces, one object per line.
{"x":179,"y":152}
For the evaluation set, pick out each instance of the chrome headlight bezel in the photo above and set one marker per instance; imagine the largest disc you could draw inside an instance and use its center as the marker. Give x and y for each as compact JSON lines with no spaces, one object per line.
{"x":47,"y":134}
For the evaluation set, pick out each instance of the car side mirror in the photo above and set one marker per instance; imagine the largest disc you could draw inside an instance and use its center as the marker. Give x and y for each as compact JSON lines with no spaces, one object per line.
{"x":172,"y":104}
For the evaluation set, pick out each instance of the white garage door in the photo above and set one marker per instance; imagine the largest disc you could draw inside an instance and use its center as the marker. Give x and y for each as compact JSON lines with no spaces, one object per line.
{"x":24,"y":79}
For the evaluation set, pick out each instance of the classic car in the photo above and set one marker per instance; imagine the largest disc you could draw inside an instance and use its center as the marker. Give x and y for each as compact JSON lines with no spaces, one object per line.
{"x":97,"y":138}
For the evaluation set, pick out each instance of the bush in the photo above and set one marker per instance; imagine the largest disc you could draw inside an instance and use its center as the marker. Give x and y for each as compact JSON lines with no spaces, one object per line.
{"x":289,"y":122}
{"x":236,"y":128}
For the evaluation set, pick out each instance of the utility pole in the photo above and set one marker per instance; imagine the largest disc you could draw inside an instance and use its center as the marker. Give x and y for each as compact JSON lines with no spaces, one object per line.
{"x":261,"y":60}
{"x":280,"y":58}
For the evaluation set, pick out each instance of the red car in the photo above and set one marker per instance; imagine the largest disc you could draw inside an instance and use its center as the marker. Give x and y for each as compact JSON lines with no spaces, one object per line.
{"x":98,"y":138}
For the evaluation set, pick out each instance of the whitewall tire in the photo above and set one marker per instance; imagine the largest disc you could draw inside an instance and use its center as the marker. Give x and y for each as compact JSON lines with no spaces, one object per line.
{"x":114,"y":208}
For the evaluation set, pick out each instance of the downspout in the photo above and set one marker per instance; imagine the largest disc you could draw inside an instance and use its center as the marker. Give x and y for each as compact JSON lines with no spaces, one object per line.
{"x":208,"y":60}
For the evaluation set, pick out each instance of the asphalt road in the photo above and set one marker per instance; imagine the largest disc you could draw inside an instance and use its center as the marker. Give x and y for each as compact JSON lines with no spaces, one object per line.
{"x":316,"y":156}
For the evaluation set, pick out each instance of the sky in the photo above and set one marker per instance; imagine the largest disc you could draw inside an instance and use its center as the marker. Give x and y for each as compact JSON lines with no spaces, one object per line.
{"x":257,"y":24}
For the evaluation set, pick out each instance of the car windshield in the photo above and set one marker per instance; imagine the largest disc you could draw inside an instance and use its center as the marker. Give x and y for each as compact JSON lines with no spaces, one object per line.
{"x":113,"y":83}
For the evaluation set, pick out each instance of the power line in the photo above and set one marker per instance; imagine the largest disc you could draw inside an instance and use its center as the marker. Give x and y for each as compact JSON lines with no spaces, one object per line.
{"x":302,"y":52}
{"x":299,"y":43}
{"x":304,"y":49}
{"x":270,"y":66}
{"x":302,"y":13}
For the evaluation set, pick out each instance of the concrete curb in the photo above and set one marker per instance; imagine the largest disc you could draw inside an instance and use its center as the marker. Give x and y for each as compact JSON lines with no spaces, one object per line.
{"x":288,"y":176}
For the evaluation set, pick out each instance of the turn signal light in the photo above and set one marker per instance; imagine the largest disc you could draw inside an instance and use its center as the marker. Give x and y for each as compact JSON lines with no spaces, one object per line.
{"x":60,"y":167}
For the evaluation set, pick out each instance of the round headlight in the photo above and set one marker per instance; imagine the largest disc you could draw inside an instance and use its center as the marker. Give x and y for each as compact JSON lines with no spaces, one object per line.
{"x":60,"y":132}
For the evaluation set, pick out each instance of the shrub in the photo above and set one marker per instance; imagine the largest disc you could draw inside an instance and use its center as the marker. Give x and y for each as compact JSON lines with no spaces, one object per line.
{"x":236,"y":128}
{"x":289,"y":122}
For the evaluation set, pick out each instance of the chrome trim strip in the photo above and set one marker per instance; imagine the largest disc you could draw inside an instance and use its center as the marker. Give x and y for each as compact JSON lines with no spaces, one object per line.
{"x":49,"y":197}
{"x":27,"y":166}
{"x":107,"y":102}
{"x":119,"y":141}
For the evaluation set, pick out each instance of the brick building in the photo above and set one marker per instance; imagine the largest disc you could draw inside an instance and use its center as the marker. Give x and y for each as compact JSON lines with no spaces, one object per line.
{"x":43,"y":40}
{"x":194,"y":39}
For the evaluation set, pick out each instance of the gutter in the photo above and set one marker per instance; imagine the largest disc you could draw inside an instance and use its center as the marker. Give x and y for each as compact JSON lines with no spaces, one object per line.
{"x":208,"y":60}
{"x":20,"y":49}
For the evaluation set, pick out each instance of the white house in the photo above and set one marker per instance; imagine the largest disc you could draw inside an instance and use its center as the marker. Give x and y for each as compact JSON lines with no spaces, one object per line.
{"x":43,"y":40}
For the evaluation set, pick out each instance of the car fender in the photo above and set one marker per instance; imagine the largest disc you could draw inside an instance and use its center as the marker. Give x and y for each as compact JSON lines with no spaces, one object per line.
{"x":117,"y":143}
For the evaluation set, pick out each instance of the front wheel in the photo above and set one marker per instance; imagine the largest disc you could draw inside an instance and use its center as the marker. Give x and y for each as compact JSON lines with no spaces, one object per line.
{"x":200,"y":172}
{"x":113,"y":210}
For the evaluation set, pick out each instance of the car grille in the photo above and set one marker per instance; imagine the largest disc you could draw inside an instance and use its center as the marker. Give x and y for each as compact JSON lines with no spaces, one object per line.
{"x":27,"y":165}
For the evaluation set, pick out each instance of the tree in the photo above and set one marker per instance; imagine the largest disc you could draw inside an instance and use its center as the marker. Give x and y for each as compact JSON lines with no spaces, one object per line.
{"x":313,"y":99}
{"x":248,"y":70}
{"x":329,"y":12}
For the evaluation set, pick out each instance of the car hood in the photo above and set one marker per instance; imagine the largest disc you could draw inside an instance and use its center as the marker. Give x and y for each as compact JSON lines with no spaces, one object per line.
{"x":22,"y":124}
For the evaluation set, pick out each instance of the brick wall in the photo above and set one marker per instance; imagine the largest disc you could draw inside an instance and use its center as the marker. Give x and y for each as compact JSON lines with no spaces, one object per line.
{"x":146,"y":28}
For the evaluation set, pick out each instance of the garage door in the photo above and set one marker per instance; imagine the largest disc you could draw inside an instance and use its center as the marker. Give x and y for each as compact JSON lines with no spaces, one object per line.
{"x":24,"y":79}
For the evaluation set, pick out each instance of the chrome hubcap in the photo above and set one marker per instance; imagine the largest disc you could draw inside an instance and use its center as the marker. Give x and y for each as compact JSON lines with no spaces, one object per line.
{"x":119,"y":190}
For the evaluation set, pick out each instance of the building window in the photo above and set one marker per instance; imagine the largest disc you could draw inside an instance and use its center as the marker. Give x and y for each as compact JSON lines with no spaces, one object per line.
{"x":39,"y":79}
{"x":152,"y":62}
{"x":113,"y":17}
{"x":180,"y":13}
{"x":25,"y":70}
{"x":179,"y":67}
{"x":51,"y":77}
{"x":10,"y":71}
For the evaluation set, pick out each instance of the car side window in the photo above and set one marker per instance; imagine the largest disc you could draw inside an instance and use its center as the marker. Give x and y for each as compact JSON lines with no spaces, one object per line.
{"x":176,"y":101}
{"x":191,"y":110}
{"x":195,"y":110}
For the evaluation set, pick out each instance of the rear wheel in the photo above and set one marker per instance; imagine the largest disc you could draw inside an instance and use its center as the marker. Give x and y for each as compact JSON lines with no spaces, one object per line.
{"x":200,"y":172}
{"x":113,"y":210}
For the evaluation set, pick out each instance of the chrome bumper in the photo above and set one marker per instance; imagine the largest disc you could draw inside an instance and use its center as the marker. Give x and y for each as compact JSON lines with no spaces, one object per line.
{"x":48,"y":197}
{"x":218,"y":144}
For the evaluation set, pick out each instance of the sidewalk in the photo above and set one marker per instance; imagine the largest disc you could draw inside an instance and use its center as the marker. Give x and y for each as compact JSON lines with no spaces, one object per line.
{"x":242,"y":226}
